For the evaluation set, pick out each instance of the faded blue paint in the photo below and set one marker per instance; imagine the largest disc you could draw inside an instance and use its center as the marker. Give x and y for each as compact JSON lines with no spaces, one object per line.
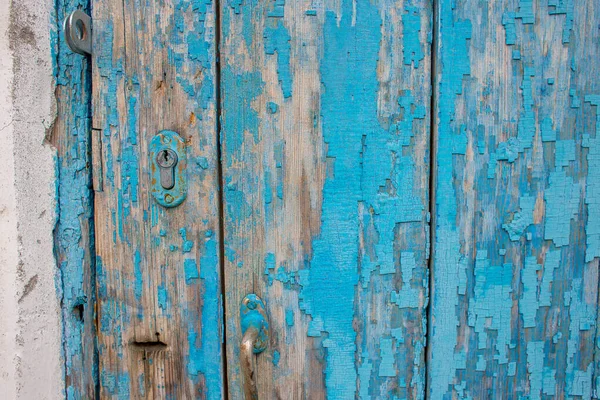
{"x":205,"y":347}
{"x":369,"y":172}
{"x":562,"y":203}
{"x":566,"y":7}
{"x":289,"y":317}
{"x":137,"y":271}
{"x":411,"y":43}
{"x":186,"y":245}
{"x":528,"y":303}
{"x":74,"y":219}
{"x":521,"y":217}
{"x":191,"y":270}
{"x":348,"y":113}
{"x":277,"y":40}
{"x":592,"y":192}
{"x":521,"y":220}
{"x":453,"y":66}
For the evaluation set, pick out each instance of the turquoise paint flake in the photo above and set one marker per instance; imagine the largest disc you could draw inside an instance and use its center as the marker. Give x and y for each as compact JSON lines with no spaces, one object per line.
{"x":592,"y":188}
{"x":567,"y":8}
{"x":528,"y":303}
{"x":277,"y":40}
{"x":364,"y":375}
{"x":564,"y":152}
{"x":139,"y":279}
{"x":490,"y":305}
{"x":562,"y":203}
{"x":582,"y":318}
{"x":386,"y":367}
{"x":548,"y":134}
{"x":453,"y":66}
{"x":575,"y":101}
{"x":272,"y":107}
{"x":407,"y":297}
{"x":186,"y":245}
{"x":289,"y":317}
{"x":512,"y":368}
{"x":191,"y":270}
{"x":521,"y":220}
{"x":270,"y":263}
{"x":398,"y":335}
{"x":551,"y":264}
{"x":162,"y":296}
{"x":276,"y":358}
{"x":411,"y":44}
{"x":525,"y":14}
{"x":205,"y":349}
{"x":541,"y":379}
{"x":481,"y":364}
{"x":526,"y":124}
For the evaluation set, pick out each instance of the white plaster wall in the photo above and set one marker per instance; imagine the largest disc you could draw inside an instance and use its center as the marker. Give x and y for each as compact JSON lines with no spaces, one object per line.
{"x":30,"y":328}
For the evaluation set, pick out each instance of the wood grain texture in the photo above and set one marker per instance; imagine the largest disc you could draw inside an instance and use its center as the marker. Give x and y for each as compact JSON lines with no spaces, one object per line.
{"x":325,"y":152}
{"x":158,"y":276}
{"x":515,"y":262}
{"x":73,"y":234}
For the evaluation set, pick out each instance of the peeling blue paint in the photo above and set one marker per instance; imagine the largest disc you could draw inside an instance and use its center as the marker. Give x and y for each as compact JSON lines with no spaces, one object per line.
{"x":562,"y":203}
{"x":522,"y":219}
{"x":411,"y":43}
{"x":190,"y":270}
{"x":277,"y":40}
{"x":444,"y":362}
{"x":205,"y":347}
{"x":592,"y":192}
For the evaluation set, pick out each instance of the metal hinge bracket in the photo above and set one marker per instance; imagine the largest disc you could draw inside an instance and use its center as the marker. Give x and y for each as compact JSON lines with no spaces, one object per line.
{"x":78,"y":32}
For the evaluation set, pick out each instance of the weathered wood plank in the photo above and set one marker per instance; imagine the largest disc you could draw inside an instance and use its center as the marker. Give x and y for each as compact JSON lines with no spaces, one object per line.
{"x":74,"y":236}
{"x":515,"y":267}
{"x":325,"y":121}
{"x":159,"y":307}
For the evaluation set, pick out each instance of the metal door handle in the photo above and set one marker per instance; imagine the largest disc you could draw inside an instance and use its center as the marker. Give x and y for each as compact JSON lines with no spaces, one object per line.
{"x":255,"y":339}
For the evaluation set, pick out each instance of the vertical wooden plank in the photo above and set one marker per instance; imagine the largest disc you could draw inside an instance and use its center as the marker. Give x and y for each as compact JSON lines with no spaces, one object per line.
{"x":325,"y":119}
{"x":73,"y":234}
{"x":515,"y":267}
{"x":159,"y":304}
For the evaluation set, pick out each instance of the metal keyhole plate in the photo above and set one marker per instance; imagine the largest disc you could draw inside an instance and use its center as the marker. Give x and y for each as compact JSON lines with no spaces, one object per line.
{"x":168,"y":169}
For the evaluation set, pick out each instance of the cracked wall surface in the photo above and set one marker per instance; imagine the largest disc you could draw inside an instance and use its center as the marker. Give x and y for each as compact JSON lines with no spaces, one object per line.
{"x":30,"y":334}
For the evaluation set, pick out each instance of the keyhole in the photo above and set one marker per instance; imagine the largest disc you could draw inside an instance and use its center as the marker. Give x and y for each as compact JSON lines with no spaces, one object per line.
{"x":166,"y":160}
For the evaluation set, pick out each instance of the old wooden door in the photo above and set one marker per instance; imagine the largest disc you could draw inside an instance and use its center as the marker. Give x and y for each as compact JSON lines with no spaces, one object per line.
{"x":517,"y":201}
{"x":325,"y":143}
{"x":308,"y":136}
{"x":158,"y":278}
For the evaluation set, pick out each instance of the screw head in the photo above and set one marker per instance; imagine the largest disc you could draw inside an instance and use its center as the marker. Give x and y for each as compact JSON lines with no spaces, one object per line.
{"x":251,"y":305}
{"x":168,"y":198}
